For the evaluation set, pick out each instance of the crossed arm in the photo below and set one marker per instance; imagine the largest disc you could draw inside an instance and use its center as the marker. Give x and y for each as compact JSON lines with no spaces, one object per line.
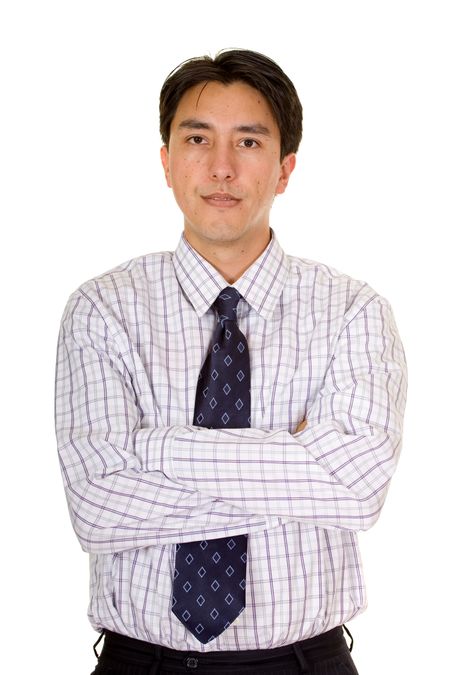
{"x":129,"y":486}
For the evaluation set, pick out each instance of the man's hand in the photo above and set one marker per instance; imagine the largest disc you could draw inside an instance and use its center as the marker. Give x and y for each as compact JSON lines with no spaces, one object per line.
{"x":301,"y":426}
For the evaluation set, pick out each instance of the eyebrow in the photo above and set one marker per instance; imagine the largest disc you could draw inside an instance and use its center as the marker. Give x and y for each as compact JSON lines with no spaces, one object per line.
{"x":193,"y":123}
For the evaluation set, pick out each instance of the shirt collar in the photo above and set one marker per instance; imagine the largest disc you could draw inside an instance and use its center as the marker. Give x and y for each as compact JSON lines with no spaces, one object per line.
{"x":261,"y":284}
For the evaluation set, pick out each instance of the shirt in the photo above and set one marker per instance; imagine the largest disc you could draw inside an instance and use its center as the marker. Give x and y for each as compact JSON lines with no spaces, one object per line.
{"x":140,"y":477}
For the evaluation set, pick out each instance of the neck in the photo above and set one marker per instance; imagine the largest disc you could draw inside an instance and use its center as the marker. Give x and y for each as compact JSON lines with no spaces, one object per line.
{"x":230,"y":258}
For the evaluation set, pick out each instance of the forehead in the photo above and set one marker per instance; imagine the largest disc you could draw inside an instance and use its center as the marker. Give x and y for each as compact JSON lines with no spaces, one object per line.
{"x":234,"y":104}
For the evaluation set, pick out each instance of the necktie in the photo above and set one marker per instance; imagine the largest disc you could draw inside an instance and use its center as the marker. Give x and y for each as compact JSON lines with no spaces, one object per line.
{"x":209,"y":576}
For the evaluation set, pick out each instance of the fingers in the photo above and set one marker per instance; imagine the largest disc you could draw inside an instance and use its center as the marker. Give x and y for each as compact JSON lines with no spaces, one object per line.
{"x":301,"y":426}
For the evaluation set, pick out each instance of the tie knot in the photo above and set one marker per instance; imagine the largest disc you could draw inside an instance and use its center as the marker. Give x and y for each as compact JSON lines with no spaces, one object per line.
{"x":226,"y":304}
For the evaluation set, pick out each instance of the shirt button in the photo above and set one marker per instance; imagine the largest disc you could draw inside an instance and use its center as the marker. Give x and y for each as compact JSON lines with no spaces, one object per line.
{"x":191,"y":663}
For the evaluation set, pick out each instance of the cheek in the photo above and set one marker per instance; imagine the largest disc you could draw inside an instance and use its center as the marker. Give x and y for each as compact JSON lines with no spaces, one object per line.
{"x":266,"y":181}
{"x":265,"y":191}
{"x":185,"y":173}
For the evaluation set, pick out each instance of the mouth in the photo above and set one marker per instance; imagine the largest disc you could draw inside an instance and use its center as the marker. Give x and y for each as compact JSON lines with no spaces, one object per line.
{"x":223,"y":199}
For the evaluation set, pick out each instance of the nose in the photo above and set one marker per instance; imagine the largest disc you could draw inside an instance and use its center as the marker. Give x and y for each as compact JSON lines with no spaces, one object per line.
{"x":222,"y":163}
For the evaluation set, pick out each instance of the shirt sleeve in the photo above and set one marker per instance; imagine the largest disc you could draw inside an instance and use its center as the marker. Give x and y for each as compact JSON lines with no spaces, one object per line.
{"x":115,"y":501}
{"x":336,"y":472}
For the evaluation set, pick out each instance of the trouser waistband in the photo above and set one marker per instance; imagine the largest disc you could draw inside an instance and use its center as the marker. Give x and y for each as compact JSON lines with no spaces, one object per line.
{"x":138,"y":652}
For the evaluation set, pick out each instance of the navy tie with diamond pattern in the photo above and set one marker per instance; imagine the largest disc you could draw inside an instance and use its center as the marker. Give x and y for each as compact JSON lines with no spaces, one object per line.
{"x":209,"y":576}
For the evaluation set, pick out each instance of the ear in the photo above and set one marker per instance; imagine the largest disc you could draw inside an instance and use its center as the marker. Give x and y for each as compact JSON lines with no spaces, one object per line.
{"x":286,"y":168}
{"x":164,"y":153}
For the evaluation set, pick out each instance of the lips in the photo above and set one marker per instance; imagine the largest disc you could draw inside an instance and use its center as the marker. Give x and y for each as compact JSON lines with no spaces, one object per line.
{"x":221,"y":196}
{"x":224,"y":199}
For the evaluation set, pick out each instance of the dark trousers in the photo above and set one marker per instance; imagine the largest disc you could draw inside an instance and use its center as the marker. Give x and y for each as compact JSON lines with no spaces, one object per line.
{"x":326,"y":654}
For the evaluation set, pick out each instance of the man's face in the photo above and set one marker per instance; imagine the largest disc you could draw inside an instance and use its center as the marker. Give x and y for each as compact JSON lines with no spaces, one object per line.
{"x":223,"y":163}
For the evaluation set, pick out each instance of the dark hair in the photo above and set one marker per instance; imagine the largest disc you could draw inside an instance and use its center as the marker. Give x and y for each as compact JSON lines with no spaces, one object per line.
{"x":233,"y":65}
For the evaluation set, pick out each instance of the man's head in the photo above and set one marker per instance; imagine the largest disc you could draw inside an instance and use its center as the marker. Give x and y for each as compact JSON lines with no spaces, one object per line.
{"x":243,"y":65}
{"x":231,"y":127}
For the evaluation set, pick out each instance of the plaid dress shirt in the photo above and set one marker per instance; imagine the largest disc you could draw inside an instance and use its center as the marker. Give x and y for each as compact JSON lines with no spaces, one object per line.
{"x":139,"y":477}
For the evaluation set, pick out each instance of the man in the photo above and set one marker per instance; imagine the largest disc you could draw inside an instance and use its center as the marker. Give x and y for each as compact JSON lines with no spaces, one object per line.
{"x":228,"y":417}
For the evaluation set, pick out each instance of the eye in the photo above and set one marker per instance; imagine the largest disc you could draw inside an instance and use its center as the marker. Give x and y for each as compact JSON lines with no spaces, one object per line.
{"x":249,"y":143}
{"x":195,"y":140}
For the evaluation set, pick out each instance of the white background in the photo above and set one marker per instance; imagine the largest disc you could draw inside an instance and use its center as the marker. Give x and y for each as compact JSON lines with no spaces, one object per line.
{"x":83,"y":190}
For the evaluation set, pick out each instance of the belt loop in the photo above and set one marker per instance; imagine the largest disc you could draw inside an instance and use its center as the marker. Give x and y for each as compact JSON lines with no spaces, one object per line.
{"x":350,"y":636}
{"x":96,"y":644}
{"x":154,"y":670}
{"x":300,"y":657}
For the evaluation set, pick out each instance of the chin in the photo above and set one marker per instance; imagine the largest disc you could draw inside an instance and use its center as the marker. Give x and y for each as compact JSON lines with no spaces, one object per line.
{"x":222,"y":232}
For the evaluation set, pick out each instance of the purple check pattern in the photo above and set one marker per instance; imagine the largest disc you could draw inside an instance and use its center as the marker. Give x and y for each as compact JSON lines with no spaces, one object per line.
{"x":210,"y":576}
{"x":141,"y":478}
